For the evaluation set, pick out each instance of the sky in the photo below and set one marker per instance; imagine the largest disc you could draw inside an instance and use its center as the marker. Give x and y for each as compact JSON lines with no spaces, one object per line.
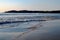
{"x":6,"y":5}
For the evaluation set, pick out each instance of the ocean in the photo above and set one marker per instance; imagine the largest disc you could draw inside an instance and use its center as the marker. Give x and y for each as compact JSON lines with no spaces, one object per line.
{"x":16,"y":23}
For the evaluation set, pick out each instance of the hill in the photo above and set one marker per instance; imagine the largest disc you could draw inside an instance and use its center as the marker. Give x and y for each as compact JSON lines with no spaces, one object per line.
{"x":26,"y":11}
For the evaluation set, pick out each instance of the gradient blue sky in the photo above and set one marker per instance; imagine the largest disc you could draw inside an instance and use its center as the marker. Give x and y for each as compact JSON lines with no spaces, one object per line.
{"x":29,"y":5}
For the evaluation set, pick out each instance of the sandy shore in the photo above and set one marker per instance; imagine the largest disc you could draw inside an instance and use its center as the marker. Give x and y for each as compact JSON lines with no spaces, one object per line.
{"x":35,"y":31}
{"x":30,"y":29}
{"x":9,"y":35}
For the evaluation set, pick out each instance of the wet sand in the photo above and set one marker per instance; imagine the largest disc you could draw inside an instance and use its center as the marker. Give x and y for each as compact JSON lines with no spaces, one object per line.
{"x":44,"y":31}
{"x":30,"y":29}
{"x":9,"y":35}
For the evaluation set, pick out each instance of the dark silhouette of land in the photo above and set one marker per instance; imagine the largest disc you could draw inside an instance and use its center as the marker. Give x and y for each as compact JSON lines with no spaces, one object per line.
{"x":27,"y":11}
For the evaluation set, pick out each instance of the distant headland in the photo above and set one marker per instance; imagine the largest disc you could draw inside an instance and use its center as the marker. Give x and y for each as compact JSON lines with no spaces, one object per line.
{"x":27,"y":11}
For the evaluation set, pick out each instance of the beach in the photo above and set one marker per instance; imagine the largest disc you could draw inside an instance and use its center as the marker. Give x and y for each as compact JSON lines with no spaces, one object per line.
{"x":48,"y":31}
{"x":15,"y":26}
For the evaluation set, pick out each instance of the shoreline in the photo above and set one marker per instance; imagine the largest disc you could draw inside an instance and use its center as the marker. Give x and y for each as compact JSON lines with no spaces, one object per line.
{"x":33,"y":28}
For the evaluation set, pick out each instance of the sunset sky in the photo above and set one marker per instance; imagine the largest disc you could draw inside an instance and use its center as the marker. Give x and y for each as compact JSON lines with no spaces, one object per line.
{"x":29,"y":5}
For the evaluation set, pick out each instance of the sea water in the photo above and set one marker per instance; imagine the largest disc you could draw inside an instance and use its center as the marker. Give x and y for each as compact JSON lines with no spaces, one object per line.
{"x":14,"y":23}
{"x":17,"y":22}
